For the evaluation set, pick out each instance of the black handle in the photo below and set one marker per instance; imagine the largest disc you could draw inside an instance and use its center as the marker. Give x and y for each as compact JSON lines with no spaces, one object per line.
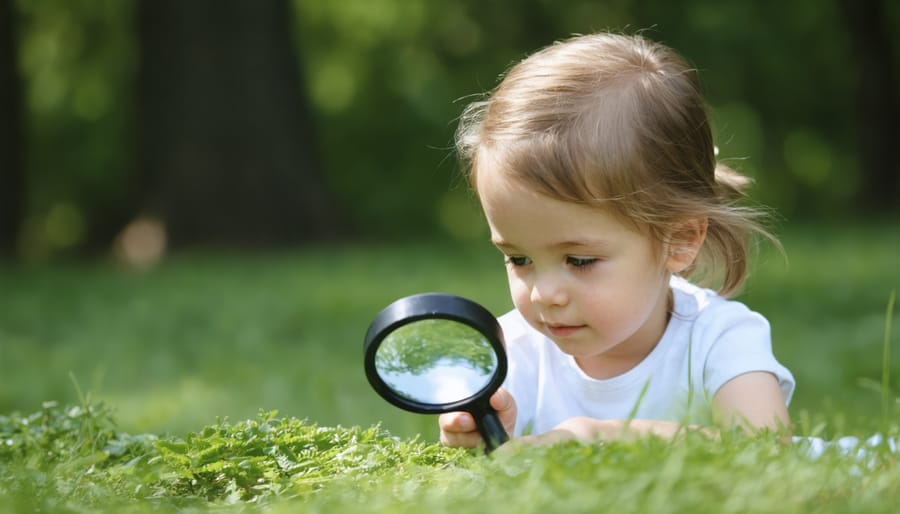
{"x":491,"y":429}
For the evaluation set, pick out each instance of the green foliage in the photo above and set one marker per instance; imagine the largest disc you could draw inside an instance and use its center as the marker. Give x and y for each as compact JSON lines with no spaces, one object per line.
{"x":74,"y":455}
{"x":223,"y":335}
{"x":387,"y":79}
{"x":270,"y":456}
{"x":416,"y":348}
{"x":885,"y":389}
{"x":56,"y":434}
{"x":206,"y":336}
{"x":78,"y":63}
{"x":826,"y":304}
{"x":71,"y":459}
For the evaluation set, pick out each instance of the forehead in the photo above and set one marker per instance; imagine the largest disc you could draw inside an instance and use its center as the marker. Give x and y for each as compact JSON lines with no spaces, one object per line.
{"x":518,"y":215}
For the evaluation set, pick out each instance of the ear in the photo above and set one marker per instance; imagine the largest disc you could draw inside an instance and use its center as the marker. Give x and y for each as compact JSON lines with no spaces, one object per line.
{"x":684,"y":244}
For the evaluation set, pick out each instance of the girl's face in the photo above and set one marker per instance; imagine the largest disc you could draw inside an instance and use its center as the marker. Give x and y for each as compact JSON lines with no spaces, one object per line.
{"x":596,"y":287}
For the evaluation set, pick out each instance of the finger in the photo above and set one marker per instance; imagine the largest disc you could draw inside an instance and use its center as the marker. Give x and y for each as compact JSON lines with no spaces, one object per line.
{"x":458,"y":430}
{"x":505,"y":405}
{"x":461,"y":439}
{"x":502,"y":400}
{"x":456,"y":422}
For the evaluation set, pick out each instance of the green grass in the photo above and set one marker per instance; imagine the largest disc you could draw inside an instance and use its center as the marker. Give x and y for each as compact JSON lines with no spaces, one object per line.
{"x":73,"y":459}
{"x":194,"y":353}
{"x":221,"y":335}
{"x":827,"y":307}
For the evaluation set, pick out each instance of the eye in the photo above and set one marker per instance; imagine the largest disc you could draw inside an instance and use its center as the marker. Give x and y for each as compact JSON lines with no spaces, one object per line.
{"x":581,"y":262}
{"x":517,"y":261}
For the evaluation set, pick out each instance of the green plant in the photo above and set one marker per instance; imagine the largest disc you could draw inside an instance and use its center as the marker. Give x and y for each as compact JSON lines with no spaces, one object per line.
{"x":64,"y":459}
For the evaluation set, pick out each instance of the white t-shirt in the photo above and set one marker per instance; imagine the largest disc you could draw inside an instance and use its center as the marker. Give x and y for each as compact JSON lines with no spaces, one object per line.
{"x":708,"y":341}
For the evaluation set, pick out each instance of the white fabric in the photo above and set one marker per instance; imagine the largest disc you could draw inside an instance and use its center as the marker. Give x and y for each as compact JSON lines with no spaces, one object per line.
{"x":847,"y":445}
{"x":708,"y":341}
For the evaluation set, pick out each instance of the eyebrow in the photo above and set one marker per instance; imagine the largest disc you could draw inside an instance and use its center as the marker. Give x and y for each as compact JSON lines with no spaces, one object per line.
{"x":502,"y":244}
{"x":585,"y":243}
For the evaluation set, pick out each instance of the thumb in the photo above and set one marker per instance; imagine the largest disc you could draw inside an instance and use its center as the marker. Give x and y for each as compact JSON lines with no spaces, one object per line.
{"x":505,"y":405}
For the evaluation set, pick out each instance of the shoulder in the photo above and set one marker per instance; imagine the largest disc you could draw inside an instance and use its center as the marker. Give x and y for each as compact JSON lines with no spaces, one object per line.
{"x":709,"y":313}
{"x":727,"y":338}
{"x":716,"y":326}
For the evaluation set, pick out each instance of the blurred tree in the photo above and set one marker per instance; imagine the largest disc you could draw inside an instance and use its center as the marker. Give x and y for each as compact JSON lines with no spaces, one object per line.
{"x":11,"y":173}
{"x":227,"y":151}
{"x":223,"y":130}
{"x":878,"y":97}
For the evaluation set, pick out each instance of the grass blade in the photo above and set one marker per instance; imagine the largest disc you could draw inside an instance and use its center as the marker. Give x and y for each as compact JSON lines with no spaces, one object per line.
{"x":886,"y":366}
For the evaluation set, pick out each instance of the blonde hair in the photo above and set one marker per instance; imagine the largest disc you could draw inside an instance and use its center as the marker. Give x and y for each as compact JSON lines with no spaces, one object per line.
{"x":618,"y":122}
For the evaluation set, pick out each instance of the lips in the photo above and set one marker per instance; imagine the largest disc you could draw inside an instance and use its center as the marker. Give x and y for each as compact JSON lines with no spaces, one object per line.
{"x":558,"y":330}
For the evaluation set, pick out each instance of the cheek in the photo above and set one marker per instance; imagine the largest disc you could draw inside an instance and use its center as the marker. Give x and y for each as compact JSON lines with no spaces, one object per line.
{"x":627,"y":305}
{"x":519,"y":292}
{"x":621,"y":298}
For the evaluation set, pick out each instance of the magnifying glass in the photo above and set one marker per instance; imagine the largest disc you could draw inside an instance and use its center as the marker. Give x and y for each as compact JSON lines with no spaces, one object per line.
{"x":433,"y":353}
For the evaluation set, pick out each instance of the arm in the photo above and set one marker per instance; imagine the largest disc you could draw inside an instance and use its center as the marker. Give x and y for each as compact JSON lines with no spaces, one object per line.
{"x":590,"y":429}
{"x":752,"y":401}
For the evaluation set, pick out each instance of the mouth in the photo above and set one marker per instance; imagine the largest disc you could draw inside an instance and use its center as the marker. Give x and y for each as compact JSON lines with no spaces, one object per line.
{"x":559,"y":330}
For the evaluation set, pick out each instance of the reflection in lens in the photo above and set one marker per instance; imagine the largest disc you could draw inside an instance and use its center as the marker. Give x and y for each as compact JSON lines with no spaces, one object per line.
{"x":436,"y":361}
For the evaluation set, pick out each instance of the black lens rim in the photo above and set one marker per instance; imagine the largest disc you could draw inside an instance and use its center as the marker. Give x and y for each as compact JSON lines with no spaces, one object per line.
{"x":424,"y":306}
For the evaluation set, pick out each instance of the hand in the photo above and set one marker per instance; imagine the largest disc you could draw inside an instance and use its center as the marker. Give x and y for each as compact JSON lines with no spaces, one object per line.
{"x":574,"y":429}
{"x":458,"y":428}
{"x":589,"y":430}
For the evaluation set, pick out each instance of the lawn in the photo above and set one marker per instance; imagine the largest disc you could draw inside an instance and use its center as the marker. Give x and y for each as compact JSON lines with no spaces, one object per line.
{"x":189,"y":356}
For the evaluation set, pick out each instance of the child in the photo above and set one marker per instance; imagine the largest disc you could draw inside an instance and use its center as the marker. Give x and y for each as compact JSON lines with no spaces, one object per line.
{"x":595,"y":167}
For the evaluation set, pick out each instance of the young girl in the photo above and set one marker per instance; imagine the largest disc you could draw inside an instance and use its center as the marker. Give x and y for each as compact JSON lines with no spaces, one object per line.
{"x":595,"y":167}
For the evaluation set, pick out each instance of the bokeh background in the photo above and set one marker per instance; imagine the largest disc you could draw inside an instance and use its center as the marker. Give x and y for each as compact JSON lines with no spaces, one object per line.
{"x":203,"y":203}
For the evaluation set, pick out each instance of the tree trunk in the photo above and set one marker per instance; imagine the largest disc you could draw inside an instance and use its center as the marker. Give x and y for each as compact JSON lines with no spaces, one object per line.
{"x":226,"y":145}
{"x":878,"y":92}
{"x":12,"y":184}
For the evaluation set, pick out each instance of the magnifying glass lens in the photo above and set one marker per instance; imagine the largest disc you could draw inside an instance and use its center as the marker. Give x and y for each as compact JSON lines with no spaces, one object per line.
{"x":434,"y":353}
{"x":436,"y":361}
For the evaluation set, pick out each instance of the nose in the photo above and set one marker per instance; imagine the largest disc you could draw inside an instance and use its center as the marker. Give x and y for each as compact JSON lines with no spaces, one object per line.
{"x":547,"y":289}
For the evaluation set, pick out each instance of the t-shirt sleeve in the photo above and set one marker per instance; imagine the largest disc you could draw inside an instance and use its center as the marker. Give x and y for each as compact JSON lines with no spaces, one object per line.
{"x":738,"y":341}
